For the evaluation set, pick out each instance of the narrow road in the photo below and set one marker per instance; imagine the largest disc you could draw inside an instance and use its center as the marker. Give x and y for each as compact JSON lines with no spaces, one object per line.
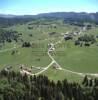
{"x":52,"y":62}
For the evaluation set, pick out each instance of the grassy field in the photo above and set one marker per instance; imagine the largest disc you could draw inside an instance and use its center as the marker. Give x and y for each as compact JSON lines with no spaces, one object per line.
{"x":75,"y":58}
{"x":55,"y":75}
{"x":27,"y":56}
{"x":71,"y":57}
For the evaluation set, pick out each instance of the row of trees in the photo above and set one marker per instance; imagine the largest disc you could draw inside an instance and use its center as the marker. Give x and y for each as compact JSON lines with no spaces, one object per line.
{"x":17,"y":86}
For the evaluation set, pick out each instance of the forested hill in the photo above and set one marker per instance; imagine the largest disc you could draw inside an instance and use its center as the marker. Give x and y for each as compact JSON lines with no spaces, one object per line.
{"x":70,"y":15}
{"x":66,"y":16}
{"x":73,"y":16}
{"x":81,"y":15}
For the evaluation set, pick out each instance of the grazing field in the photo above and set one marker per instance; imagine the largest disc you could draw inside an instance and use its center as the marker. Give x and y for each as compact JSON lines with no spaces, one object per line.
{"x":55,"y":75}
{"x":68,"y":56}
{"x":79,"y":59}
{"x":25,"y":56}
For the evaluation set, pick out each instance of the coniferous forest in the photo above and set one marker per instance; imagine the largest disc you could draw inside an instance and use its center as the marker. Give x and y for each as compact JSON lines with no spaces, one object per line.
{"x":17,"y":86}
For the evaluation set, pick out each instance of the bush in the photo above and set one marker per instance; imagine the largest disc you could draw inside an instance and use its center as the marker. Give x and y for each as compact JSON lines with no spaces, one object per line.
{"x":87,"y":44}
{"x":77,"y":42}
{"x":26,"y":44}
{"x":68,"y":38}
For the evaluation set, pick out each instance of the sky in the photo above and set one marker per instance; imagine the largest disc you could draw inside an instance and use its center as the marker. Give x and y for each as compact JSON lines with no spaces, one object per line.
{"x":33,"y":7}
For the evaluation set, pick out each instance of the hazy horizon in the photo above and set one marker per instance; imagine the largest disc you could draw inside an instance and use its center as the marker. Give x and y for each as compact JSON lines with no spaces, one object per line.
{"x":44,"y":13}
{"x":34,"y":7}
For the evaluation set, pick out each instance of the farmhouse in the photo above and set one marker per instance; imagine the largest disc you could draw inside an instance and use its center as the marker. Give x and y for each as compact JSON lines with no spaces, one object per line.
{"x":51,"y":47}
{"x":67,"y":37}
{"x":55,"y":66}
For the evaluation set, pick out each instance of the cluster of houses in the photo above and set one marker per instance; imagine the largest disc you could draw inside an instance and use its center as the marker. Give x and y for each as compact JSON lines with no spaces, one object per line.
{"x":55,"y":66}
{"x":68,"y":36}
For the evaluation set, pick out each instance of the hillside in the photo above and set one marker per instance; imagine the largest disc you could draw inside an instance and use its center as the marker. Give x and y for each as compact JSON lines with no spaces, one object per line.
{"x":49,"y":46}
{"x":67,"y":16}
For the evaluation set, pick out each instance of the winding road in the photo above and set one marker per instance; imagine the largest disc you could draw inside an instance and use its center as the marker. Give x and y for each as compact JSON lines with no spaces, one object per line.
{"x":58,"y":66}
{"x":53,"y":61}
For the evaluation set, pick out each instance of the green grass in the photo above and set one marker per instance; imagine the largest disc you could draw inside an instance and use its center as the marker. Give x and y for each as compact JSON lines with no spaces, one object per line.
{"x":75,"y":58}
{"x":79,"y":59}
{"x":27,"y":56}
{"x":93,"y":31}
{"x":7,"y":45}
{"x":55,"y":75}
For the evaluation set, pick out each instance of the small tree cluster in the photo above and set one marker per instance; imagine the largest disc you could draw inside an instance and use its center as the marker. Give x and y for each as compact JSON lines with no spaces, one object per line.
{"x":26,"y":44}
{"x":85,"y":40}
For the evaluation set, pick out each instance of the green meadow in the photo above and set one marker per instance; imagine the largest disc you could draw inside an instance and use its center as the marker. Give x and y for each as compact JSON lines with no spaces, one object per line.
{"x":75,"y":58}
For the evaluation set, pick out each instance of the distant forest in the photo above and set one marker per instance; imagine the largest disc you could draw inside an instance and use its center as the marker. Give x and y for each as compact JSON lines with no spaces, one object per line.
{"x":68,"y":17}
